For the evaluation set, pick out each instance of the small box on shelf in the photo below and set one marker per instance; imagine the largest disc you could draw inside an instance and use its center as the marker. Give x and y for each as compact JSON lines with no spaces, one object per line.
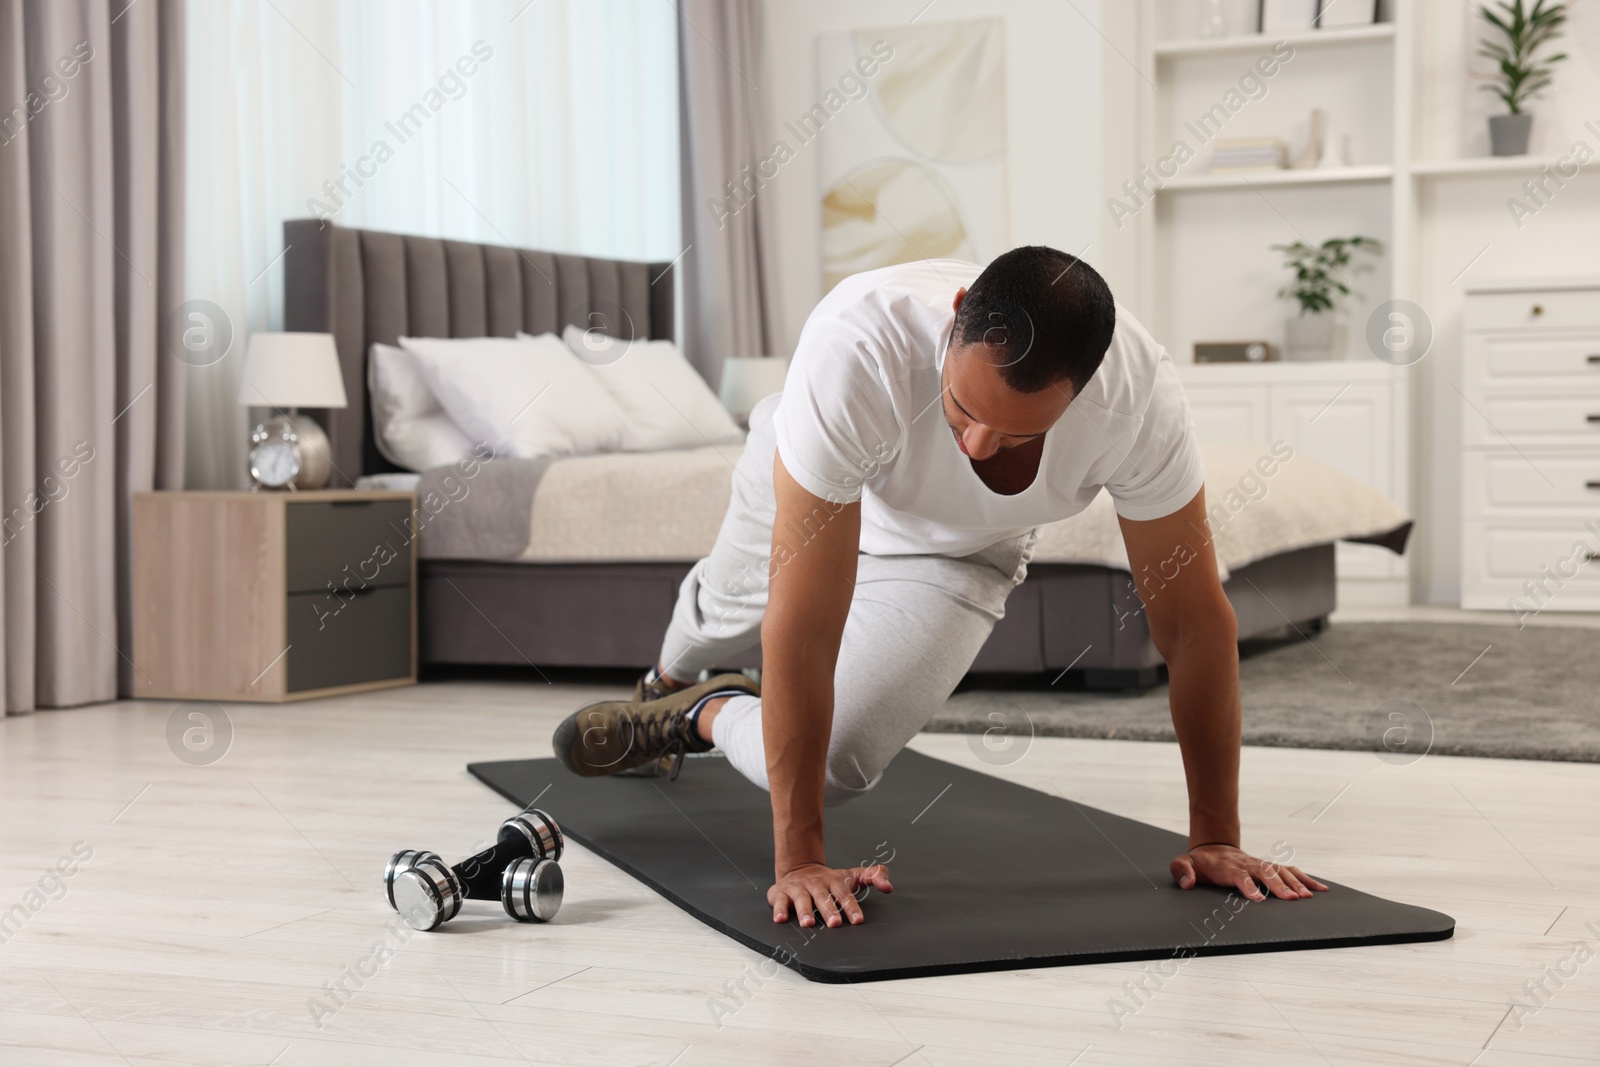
{"x":1234,"y":352}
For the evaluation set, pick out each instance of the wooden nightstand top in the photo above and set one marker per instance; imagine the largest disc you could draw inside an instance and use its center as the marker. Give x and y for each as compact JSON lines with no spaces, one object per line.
{"x":306,"y":495}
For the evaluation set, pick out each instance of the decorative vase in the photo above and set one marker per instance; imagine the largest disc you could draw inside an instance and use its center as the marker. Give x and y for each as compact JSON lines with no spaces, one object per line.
{"x":1213,"y":19}
{"x":1308,"y":337}
{"x":1508,"y":134}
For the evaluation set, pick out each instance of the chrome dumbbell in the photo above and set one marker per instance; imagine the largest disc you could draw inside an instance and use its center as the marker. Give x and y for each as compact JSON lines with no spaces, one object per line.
{"x":428,"y":893}
{"x":531,"y":889}
{"x":530,"y":832}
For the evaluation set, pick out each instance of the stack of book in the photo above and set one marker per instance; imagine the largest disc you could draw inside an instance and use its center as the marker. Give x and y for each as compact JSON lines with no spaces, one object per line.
{"x":1248,"y":154}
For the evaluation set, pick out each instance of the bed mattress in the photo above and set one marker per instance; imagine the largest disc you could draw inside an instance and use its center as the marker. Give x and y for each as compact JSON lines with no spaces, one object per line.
{"x":668,"y":506}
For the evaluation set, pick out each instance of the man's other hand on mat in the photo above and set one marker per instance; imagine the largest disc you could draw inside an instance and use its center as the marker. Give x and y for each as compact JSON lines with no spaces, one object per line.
{"x":1229,"y":866}
{"x":813,"y":888}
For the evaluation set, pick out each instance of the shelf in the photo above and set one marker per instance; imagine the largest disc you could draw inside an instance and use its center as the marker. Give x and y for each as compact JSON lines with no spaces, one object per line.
{"x":1286,"y":371}
{"x":1308,"y":176}
{"x":1251,"y":42}
{"x":1445,"y":168}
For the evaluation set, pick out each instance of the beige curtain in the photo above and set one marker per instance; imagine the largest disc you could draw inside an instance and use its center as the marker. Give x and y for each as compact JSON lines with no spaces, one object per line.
{"x":91,"y":225}
{"x":725,"y":271}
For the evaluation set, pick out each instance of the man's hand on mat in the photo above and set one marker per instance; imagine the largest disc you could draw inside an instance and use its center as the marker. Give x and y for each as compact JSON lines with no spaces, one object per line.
{"x":1226,"y":865}
{"x":815,"y":888}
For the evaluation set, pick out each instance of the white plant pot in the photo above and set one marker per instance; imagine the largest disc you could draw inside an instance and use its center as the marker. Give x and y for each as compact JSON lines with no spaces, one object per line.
{"x":1308,"y":338}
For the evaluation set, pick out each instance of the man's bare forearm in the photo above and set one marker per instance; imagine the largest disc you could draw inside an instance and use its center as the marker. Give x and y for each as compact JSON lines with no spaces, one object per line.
{"x":1203,"y":667}
{"x":814,"y":547}
{"x":796,"y":721}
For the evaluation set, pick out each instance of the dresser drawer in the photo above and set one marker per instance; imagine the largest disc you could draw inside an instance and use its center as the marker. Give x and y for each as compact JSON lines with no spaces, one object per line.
{"x":1520,"y":420}
{"x":1499,"y":559}
{"x":1495,"y":483}
{"x":348,"y":543}
{"x":1571,"y":361}
{"x":362,"y":637}
{"x":1551,"y":309}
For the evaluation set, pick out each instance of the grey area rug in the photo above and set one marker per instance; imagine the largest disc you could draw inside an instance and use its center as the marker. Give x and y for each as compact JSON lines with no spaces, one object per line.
{"x":1399,"y":689}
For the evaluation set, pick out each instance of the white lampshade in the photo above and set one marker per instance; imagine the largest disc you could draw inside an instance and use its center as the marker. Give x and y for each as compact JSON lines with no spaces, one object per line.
{"x":746,"y":380}
{"x":292,"y":370}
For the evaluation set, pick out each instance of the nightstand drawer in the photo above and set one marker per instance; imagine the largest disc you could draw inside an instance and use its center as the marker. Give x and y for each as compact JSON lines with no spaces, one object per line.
{"x":1535,"y":359}
{"x":1503,"y":483}
{"x":349,"y":543}
{"x":1540,"y":309}
{"x":1530,"y":563}
{"x":1523,"y":419}
{"x":364,"y":637}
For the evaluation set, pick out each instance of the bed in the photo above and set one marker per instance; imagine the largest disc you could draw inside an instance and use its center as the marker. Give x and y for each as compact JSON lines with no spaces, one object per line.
{"x":569,"y":566}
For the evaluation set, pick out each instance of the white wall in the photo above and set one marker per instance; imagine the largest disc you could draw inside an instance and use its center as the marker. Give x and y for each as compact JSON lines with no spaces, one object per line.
{"x":1053,"y":120}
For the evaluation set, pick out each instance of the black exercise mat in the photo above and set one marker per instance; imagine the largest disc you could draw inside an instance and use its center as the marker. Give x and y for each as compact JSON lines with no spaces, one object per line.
{"x":989,"y":875}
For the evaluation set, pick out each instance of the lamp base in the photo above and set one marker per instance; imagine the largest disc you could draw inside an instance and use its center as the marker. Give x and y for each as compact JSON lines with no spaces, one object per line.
{"x":316,"y":451}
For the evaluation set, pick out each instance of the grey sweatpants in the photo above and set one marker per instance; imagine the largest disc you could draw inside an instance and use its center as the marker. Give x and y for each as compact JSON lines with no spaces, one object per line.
{"x":916,"y":623}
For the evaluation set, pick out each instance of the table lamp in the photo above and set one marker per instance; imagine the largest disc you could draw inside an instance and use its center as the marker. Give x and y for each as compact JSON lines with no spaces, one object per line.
{"x":289,"y":371}
{"x":747,"y":380}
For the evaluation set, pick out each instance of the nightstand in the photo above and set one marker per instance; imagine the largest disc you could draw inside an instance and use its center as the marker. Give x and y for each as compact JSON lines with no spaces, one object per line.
{"x":273,"y":596}
{"x":1530,"y":445}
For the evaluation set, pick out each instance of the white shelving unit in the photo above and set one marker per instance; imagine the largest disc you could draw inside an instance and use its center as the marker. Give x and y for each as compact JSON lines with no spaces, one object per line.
{"x":1248,"y":42}
{"x":1191,"y":249}
{"x":1361,"y":78}
{"x":1445,"y":168}
{"x":1252,"y":179}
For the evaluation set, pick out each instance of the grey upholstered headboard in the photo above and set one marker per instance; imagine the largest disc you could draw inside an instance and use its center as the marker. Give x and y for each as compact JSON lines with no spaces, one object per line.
{"x":366,"y":287}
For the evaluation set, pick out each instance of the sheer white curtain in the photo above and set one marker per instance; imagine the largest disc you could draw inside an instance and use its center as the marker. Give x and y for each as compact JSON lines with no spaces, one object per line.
{"x":551,"y":124}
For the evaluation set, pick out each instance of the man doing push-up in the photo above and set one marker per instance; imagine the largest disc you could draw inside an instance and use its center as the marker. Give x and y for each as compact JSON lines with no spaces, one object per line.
{"x":935,"y":414}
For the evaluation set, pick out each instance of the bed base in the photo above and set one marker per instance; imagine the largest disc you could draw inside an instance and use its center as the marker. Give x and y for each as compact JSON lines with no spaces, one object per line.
{"x":1076,"y":616}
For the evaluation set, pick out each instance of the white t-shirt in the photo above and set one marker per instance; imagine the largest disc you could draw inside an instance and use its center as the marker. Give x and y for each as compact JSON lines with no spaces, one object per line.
{"x":861,"y":419}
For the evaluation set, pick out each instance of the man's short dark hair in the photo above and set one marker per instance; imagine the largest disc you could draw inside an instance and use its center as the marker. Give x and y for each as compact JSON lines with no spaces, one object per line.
{"x":1046,"y":316}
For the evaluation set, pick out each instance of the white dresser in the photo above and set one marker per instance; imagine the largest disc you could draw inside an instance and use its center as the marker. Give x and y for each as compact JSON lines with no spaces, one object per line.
{"x":1349,"y":414}
{"x":1530,"y":429}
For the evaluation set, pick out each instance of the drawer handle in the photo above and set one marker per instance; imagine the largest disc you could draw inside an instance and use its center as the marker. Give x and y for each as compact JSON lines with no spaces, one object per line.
{"x":1538,"y":309}
{"x":351,"y":594}
{"x":1590,"y":557}
{"x":1594,"y":418}
{"x":1592,"y":485}
{"x":1595,"y":358}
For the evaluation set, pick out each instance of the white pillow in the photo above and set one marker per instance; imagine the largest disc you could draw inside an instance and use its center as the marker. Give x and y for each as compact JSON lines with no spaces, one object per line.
{"x":666,"y":402}
{"x":410,"y":428}
{"x":529,"y":397}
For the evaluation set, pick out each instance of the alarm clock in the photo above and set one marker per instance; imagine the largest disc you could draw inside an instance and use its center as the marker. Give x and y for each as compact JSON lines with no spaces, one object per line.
{"x":275,"y":457}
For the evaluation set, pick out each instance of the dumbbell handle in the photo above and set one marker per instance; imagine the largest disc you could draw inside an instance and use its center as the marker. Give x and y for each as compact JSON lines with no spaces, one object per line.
{"x":530,"y":832}
{"x":480,"y":873}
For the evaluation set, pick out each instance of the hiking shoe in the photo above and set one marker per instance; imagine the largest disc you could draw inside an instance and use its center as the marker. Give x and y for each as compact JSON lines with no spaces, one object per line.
{"x":651,"y":737}
{"x":651,"y":686}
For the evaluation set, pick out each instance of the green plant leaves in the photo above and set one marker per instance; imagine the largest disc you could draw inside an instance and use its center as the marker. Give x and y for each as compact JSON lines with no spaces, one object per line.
{"x":1319,"y":270}
{"x":1523,"y":76}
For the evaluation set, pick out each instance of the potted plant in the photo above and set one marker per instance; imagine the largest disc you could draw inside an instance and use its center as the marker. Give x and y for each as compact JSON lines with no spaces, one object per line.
{"x":1523,"y":75}
{"x":1321,"y":273}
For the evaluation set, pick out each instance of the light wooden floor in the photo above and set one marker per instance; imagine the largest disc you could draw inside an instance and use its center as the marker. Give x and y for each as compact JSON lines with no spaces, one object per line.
{"x":220,"y":900}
